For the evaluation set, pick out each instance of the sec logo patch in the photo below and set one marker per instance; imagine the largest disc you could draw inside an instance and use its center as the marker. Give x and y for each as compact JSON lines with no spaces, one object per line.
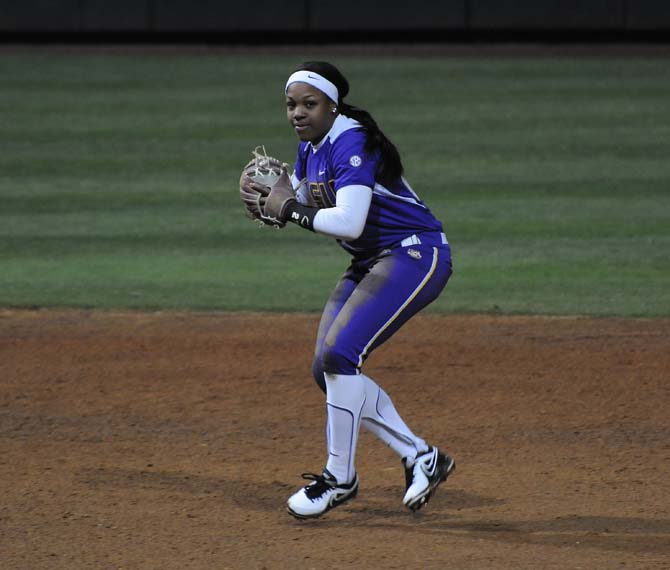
{"x":355,"y":161}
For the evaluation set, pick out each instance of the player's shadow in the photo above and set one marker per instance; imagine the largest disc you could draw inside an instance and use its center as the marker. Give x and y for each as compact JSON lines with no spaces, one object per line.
{"x":616,"y":534}
{"x":448,"y":514}
{"x":380,"y":508}
{"x":247,"y":494}
{"x":377,"y":503}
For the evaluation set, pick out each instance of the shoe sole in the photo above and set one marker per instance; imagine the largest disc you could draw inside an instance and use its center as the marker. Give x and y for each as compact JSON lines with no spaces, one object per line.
{"x":423,"y":499}
{"x":330,"y":507}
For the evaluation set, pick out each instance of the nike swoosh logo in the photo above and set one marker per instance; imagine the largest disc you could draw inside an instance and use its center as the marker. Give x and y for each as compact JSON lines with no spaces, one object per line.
{"x":430,"y":468}
{"x":322,"y":172}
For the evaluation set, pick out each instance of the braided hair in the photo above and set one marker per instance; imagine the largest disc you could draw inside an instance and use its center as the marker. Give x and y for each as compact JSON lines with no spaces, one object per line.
{"x":390,"y":166}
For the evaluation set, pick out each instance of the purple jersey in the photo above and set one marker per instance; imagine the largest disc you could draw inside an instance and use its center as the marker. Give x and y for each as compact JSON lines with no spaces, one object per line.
{"x":340,"y":160}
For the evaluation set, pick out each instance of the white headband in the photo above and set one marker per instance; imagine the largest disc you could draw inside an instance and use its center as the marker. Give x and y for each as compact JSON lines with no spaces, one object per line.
{"x":315,"y":80}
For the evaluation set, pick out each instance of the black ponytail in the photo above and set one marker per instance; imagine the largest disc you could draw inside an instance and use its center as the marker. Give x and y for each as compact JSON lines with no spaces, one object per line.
{"x":390,"y":167}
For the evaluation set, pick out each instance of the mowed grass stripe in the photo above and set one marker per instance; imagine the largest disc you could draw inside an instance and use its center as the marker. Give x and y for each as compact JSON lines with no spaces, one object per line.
{"x":118,"y":180}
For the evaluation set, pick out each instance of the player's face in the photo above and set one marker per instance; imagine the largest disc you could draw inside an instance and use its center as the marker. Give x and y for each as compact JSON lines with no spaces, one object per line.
{"x":309,"y":111}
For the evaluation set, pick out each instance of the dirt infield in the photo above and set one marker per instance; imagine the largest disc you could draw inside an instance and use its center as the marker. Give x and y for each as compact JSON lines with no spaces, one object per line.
{"x":171,"y":441}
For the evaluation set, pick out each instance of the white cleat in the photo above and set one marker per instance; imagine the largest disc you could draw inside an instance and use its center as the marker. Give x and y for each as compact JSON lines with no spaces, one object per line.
{"x":424,"y":475}
{"x":321,"y":495}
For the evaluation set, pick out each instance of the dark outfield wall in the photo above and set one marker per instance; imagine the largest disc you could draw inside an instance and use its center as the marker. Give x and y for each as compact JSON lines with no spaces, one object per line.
{"x":310,"y":17}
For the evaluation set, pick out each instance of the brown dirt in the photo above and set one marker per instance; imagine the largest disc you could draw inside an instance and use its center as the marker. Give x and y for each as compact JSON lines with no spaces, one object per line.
{"x":172,"y":440}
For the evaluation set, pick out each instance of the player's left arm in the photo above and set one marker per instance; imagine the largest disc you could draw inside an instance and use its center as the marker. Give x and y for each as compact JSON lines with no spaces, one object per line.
{"x":346,"y":220}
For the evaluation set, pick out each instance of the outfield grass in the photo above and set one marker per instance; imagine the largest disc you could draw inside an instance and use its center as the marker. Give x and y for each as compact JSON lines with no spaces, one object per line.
{"x":118,"y":180}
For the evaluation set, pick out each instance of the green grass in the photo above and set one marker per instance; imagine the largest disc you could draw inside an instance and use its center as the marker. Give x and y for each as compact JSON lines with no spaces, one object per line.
{"x":118,"y":180}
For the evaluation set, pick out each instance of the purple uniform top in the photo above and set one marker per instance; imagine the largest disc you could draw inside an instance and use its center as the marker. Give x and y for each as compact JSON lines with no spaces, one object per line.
{"x":340,"y":160}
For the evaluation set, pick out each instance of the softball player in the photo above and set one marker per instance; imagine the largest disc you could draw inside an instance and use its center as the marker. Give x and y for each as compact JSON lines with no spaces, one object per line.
{"x":349,"y":183}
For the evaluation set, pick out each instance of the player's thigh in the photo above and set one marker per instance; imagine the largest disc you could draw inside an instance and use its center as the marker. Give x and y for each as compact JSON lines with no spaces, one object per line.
{"x":397,"y":287}
{"x":343,"y":290}
{"x":339,"y":296}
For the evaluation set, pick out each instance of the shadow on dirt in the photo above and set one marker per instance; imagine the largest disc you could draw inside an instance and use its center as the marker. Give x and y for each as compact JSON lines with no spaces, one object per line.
{"x":380,"y":508}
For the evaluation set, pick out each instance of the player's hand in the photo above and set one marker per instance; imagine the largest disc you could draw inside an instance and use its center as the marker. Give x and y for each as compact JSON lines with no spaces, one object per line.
{"x":281,"y":194}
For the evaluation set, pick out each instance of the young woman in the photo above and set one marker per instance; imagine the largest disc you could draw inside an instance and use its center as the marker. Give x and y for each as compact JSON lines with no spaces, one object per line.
{"x":348,"y":177}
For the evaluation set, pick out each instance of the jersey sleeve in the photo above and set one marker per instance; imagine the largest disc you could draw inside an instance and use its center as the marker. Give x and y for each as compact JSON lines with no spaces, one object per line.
{"x":351,"y":164}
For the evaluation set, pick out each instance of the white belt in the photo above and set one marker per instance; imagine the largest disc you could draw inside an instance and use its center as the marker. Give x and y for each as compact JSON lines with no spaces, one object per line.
{"x":414,"y":240}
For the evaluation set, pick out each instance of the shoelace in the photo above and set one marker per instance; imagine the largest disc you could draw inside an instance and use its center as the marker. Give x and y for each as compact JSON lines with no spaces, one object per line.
{"x":320,"y":484}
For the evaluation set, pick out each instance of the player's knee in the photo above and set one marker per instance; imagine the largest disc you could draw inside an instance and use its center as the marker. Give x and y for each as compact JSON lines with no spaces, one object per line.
{"x":335,"y":360}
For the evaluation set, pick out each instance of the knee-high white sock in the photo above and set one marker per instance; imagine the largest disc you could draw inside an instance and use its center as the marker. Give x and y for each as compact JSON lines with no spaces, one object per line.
{"x":382,"y":419}
{"x":345,"y":398}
